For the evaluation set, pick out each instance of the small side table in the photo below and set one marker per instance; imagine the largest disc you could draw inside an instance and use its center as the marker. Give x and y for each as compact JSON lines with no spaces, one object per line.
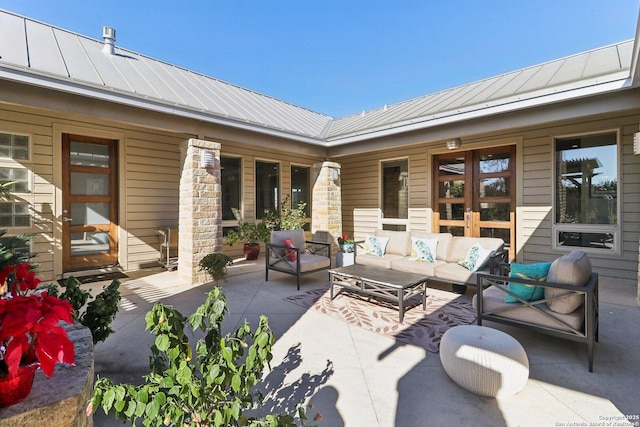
{"x":344,"y":259}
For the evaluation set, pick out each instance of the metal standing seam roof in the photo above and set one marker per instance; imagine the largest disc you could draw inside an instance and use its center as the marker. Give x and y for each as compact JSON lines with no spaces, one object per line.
{"x":595,"y":67}
{"x":41,"y":54}
{"x":37,"y":48}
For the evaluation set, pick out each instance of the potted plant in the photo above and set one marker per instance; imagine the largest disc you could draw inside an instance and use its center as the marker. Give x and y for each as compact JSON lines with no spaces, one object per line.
{"x":346,"y":244}
{"x":30,"y":332}
{"x":286,"y":218}
{"x":215,"y":264}
{"x":252,"y":234}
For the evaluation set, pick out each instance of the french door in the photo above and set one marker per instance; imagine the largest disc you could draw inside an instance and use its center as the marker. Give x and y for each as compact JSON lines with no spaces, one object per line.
{"x":474,"y":194}
{"x":89,"y":200}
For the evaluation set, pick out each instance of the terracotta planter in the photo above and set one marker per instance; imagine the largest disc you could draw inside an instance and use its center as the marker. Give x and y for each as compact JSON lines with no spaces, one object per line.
{"x":251,"y":251}
{"x":16,"y":388}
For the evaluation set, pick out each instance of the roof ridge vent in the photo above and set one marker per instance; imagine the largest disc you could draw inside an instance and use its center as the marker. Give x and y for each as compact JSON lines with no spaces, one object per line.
{"x":109,"y":35}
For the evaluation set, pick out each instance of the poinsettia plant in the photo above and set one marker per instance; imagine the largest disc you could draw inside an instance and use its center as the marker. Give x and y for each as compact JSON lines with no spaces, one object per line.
{"x":30,"y":330}
{"x":344,"y":239}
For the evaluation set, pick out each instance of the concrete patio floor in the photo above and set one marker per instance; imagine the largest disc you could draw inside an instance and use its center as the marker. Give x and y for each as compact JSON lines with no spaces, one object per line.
{"x":354,"y":377}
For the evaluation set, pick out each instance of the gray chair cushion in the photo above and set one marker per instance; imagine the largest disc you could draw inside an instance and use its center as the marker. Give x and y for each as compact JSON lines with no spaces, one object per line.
{"x":574,"y":269}
{"x":278,"y":238}
{"x":493,"y":299}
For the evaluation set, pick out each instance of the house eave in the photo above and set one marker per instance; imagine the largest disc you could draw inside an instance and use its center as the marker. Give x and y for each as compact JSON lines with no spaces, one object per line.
{"x":111,"y":95}
{"x":549,"y":96}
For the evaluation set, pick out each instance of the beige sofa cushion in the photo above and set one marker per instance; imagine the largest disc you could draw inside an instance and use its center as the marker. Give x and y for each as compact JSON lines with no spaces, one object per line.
{"x":454,"y":273}
{"x":377,"y":261}
{"x":574,"y":269}
{"x":399,"y":242}
{"x":493,"y":299}
{"x":444,"y":240}
{"x":460,"y":246}
{"x":407,"y":265}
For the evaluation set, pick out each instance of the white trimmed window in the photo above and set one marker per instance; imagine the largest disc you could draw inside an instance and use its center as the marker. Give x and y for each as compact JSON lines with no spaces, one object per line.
{"x":231,"y":182}
{"x":301,"y":190}
{"x":267,"y":187}
{"x":394,"y":196}
{"x":586,"y":202}
{"x":15,"y":149}
{"x":14,"y":146}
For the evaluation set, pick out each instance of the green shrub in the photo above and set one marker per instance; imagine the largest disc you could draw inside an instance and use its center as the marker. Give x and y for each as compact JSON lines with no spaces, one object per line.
{"x":211,"y":388}
{"x":215,"y":265}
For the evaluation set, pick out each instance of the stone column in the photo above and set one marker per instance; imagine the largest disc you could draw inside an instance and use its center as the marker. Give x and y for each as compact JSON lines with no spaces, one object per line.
{"x":200,"y":226}
{"x":327,"y":200}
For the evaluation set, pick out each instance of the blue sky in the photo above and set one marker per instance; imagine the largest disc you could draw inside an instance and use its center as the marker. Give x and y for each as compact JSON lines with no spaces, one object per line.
{"x":339,"y":57}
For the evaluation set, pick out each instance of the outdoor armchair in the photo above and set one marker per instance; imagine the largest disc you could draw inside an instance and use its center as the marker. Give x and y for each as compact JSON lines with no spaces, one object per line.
{"x":289,"y":252}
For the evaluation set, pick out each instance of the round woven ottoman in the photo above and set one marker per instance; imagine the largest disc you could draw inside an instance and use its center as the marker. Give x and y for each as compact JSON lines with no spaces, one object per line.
{"x":484,"y":361}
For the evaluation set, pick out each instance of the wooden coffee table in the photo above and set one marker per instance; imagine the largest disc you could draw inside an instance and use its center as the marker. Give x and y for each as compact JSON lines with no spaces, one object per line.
{"x":381,"y":283}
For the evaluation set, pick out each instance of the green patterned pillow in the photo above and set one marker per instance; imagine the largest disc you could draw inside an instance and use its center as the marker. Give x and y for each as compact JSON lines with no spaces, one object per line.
{"x":537,"y":272}
{"x":423,"y":249}
{"x":375,"y":245}
{"x":476,"y":258}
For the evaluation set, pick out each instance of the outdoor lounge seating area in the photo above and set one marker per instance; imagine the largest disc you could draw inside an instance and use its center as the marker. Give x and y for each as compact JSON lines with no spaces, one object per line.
{"x":441,"y":257}
{"x":355,"y":377}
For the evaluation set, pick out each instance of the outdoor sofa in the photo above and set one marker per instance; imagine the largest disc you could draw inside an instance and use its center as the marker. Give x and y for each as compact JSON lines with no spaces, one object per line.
{"x":404,"y":252}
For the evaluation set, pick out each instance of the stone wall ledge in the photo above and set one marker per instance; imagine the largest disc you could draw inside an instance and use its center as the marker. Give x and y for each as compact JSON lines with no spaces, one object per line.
{"x":60,"y":400}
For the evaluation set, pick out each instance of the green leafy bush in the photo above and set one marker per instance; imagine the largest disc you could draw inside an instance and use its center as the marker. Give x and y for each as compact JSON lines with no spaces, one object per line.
{"x":215,"y":264}
{"x":211,"y":388}
{"x":98,"y":313}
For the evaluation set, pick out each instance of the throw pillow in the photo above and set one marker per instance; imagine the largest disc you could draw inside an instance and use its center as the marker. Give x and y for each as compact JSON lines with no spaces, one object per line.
{"x":476,"y":258}
{"x":423,"y":249}
{"x":291,"y":255}
{"x":537,"y":272}
{"x":375,"y":245}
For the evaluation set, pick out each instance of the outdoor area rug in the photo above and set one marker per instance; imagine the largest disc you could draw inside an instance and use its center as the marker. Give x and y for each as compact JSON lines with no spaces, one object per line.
{"x":97,"y":277}
{"x":420,"y":327}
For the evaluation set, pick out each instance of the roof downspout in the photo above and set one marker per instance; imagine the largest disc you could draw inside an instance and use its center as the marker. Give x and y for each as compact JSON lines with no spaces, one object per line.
{"x":109,"y":35}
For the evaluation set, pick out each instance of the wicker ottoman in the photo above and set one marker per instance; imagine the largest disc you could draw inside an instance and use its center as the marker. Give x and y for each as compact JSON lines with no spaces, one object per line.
{"x":484,"y":361}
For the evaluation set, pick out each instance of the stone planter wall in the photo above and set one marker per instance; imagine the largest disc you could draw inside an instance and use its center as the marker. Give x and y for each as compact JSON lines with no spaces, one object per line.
{"x":60,"y":400}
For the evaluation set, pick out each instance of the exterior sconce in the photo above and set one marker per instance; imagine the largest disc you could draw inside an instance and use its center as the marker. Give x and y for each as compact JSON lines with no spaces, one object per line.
{"x":454,"y":144}
{"x":335,"y":174}
{"x":207,"y":160}
{"x":636,"y":143}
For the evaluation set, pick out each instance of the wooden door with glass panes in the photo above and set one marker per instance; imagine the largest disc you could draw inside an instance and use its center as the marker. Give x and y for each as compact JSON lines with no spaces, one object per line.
{"x":474,"y":194}
{"x":89,"y":200}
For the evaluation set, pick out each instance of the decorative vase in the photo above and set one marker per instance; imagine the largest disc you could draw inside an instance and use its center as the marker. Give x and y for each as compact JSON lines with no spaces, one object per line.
{"x":15,"y":388}
{"x":251,"y":251}
{"x":347,"y":248}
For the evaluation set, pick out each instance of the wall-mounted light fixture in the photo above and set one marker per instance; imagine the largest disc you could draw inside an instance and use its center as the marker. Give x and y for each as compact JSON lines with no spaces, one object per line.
{"x":335,"y":174}
{"x":454,"y":144}
{"x":636,"y":143}
{"x":207,"y":159}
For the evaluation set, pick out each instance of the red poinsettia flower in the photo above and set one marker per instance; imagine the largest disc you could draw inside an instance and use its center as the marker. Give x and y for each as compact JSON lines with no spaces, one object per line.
{"x":344,"y":239}
{"x":30,"y":328}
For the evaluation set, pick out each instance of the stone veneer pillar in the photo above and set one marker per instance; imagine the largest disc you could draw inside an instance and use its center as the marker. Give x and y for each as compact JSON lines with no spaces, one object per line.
{"x":327,"y":200}
{"x":200,"y":225}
